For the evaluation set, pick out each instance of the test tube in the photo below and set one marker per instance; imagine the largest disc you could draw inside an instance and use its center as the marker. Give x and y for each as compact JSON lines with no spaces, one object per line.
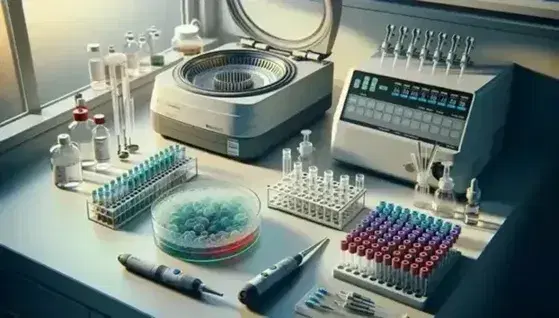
{"x":361,"y":261}
{"x":344,"y":186}
{"x":359,"y":181}
{"x":328,"y":181}
{"x":286,"y":162}
{"x":313,"y":177}
{"x":352,"y":255}
{"x":298,"y":171}
{"x":344,"y":253}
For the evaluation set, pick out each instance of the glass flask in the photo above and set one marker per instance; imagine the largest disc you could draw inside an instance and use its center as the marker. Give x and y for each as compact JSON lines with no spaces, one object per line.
{"x":187,"y":40}
{"x":65,"y":160}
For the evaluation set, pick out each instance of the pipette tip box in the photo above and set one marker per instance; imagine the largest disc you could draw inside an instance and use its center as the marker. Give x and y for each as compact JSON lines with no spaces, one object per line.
{"x":334,"y":208}
{"x":116,"y":214}
{"x":400,"y":254}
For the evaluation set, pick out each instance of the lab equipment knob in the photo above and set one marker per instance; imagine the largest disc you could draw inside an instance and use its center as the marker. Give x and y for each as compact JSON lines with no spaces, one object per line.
{"x":469,"y":45}
{"x":440,"y":44}
{"x":402,"y":34}
{"x":389,"y":33}
{"x":454,"y":42}
{"x":415,"y":35}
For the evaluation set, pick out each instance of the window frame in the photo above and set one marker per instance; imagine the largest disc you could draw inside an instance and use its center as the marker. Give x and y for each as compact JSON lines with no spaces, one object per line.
{"x":38,"y":118}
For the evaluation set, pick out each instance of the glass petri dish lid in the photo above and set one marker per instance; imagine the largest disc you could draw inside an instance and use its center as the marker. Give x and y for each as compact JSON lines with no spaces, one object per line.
{"x":206,"y":220}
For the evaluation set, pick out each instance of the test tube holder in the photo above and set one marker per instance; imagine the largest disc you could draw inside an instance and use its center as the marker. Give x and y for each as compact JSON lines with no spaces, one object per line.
{"x":330,"y":209}
{"x":120,"y":213}
{"x":405,"y":297}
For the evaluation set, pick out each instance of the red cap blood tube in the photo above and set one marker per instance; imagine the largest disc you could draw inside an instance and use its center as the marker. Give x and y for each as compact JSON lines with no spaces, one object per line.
{"x":397,"y":239}
{"x":441,"y":254}
{"x":353,"y":256}
{"x":372,"y":238}
{"x":375,"y":247}
{"x":428,"y":249}
{"x":370,"y":255}
{"x":378,"y":264}
{"x":409,"y":258}
{"x":414,"y":279}
{"x":396,"y":278}
{"x":444,"y":247}
{"x":423,"y":255}
{"x":344,"y":254}
{"x":423,"y":278}
{"x":381,"y":242}
{"x":404,"y":274}
{"x":412,"y":251}
{"x":402,"y":249}
{"x":361,"y":260}
{"x":357,"y":240}
{"x":385,"y":250}
{"x":363,"y":235}
{"x":366,"y":243}
{"x":397,"y":254}
{"x":416,"y":245}
{"x":407,"y":243}
{"x":349,"y":238}
{"x":392,"y":246}
{"x":419,"y":261}
{"x":387,"y":268}
{"x":430,"y":265}
{"x":434,"y":259}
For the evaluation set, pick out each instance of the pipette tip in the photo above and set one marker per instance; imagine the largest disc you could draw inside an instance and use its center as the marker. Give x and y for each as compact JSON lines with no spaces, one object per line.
{"x":208,"y":290}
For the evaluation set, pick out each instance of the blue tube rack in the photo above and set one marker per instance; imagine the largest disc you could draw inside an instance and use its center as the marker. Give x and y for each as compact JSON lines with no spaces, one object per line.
{"x":116,"y":214}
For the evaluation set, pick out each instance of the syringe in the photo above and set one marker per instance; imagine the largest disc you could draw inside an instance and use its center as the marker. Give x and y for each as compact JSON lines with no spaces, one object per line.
{"x":415,"y":35}
{"x":454,"y":43}
{"x":256,"y":289}
{"x":438,"y":50}
{"x":425,"y":49}
{"x":402,"y":34}
{"x":385,"y":46}
{"x":466,"y":54}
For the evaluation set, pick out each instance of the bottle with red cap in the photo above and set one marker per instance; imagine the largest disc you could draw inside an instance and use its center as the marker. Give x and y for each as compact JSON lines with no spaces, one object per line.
{"x":81,"y":132}
{"x":101,"y":145}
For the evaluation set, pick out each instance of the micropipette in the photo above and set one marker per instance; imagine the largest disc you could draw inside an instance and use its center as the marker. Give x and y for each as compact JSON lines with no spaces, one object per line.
{"x":168,"y":277}
{"x":254,"y":291}
{"x":425,"y":49}
{"x":402,"y":34}
{"x":466,"y":54}
{"x":114,"y":61}
{"x":454,"y":43}
{"x":438,"y":50}
{"x":415,"y":35}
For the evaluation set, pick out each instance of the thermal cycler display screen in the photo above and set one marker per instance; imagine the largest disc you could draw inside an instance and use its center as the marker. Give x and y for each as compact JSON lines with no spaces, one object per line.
{"x":413,"y":110}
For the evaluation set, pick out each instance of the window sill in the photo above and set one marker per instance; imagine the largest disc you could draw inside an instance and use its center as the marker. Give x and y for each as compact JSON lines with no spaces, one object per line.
{"x":59,"y":111}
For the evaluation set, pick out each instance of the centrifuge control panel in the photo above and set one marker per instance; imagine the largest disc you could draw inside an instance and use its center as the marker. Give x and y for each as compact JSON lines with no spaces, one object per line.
{"x":413,"y":110}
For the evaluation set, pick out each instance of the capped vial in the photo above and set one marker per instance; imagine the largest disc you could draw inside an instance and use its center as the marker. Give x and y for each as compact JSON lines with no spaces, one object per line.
{"x":471,"y":210}
{"x":444,"y":203}
{"x":96,"y":67}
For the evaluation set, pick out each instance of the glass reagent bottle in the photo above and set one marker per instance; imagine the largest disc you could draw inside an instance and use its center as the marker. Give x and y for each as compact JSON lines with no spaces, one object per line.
{"x":132,"y":51}
{"x":444,"y":202}
{"x":471,"y":210}
{"x":81,"y":132}
{"x":101,"y":143}
{"x":96,"y":67}
{"x":65,"y":160}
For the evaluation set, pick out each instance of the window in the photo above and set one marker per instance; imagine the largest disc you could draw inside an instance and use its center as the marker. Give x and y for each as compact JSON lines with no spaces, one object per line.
{"x":11,"y":101}
{"x":59,"y":31}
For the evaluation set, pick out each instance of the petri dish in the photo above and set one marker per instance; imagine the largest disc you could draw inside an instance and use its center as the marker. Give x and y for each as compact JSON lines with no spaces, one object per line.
{"x":206,"y":220}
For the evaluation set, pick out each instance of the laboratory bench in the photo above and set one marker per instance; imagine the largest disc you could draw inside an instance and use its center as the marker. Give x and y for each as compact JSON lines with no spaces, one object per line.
{"x":57,"y":263}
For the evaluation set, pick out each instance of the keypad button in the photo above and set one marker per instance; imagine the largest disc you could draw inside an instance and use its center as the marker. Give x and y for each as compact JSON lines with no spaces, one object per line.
{"x":371,"y":104}
{"x":406,"y":122}
{"x":417,"y":115}
{"x":424,"y":127}
{"x":352,"y":99}
{"x":396,"y":120}
{"x":389,"y":108}
{"x":414,"y":124}
{"x":360,"y":111}
{"x":377,"y":115}
{"x":408,"y":113}
{"x":437,"y":120}
{"x":447,"y":122}
{"x":386,"y":117}
{"x":380,"y":106}
{"x":457,"y":125}
{"x":445,"y":132}
{"x":434,"y":129}
{"x":398,"y":110}
{"x":455,"y":134}
{"x":351,"y":108}
{"x":362,"y":102}
{"x":369,"y":113}
{"x":427,"y":118}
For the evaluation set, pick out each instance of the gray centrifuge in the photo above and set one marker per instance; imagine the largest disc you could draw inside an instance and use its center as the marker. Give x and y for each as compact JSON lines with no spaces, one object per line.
{"x":243,"y":98}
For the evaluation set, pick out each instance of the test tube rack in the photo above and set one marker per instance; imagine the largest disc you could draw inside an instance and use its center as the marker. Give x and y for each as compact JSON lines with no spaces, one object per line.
{"x":400,"y":254}
{"x":333,"y":208}
{"x":116,"y":214}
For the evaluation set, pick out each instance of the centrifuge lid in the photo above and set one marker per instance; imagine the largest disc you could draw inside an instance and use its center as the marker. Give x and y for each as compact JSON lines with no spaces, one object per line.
{"x":320,"y":41}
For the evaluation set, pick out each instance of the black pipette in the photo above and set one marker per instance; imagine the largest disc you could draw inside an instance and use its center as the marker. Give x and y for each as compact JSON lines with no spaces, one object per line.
{"x":168,"y":277}
{"x":254,"y":290}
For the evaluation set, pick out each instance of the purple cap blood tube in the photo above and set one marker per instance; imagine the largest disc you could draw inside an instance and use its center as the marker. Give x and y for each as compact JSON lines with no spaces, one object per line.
{"x":421,"y":240}
{"x":412,"y":237}
{"x":427,"y":236}
{"x":397,"y":239}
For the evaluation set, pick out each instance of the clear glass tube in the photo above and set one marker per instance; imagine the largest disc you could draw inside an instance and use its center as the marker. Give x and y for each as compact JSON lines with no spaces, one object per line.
{"x":360,"y":181}
{"x":422,"y":194}
{"x":286,"y":162}
{"x":298,"y":172}
{"x":313,"y":177}
{"x":328,"y":176}
{"x":344,"y":186}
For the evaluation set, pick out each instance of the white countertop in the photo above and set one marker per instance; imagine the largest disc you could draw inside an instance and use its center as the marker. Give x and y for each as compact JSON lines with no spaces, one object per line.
{"x":50,"y":226}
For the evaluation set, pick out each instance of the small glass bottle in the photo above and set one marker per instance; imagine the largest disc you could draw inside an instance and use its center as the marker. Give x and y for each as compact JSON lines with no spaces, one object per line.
{"x":153,"y":36}
{"x":186,"y":39}
{"x":96,"y":75}
{"x":111,"y":50}
{"x":144,"y":54}
{"x":101,"y":143}
{"x":65,"y":160}
{"x":132,"y":49}
{"x":306,"y":150}
{"x":471,"y":210}
{"x":444,"y":202}
{"x":81,"y":132}
{"x":422,"y":195}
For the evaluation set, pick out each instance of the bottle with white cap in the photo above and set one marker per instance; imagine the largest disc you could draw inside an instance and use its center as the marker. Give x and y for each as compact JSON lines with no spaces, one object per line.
{"x":187,"y":40}
{"x":96,"y":74}
{"x":471,"y":210}
{"x":306,"y":150}
{"x":65,"y":161}
{"x":444,"y":202}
